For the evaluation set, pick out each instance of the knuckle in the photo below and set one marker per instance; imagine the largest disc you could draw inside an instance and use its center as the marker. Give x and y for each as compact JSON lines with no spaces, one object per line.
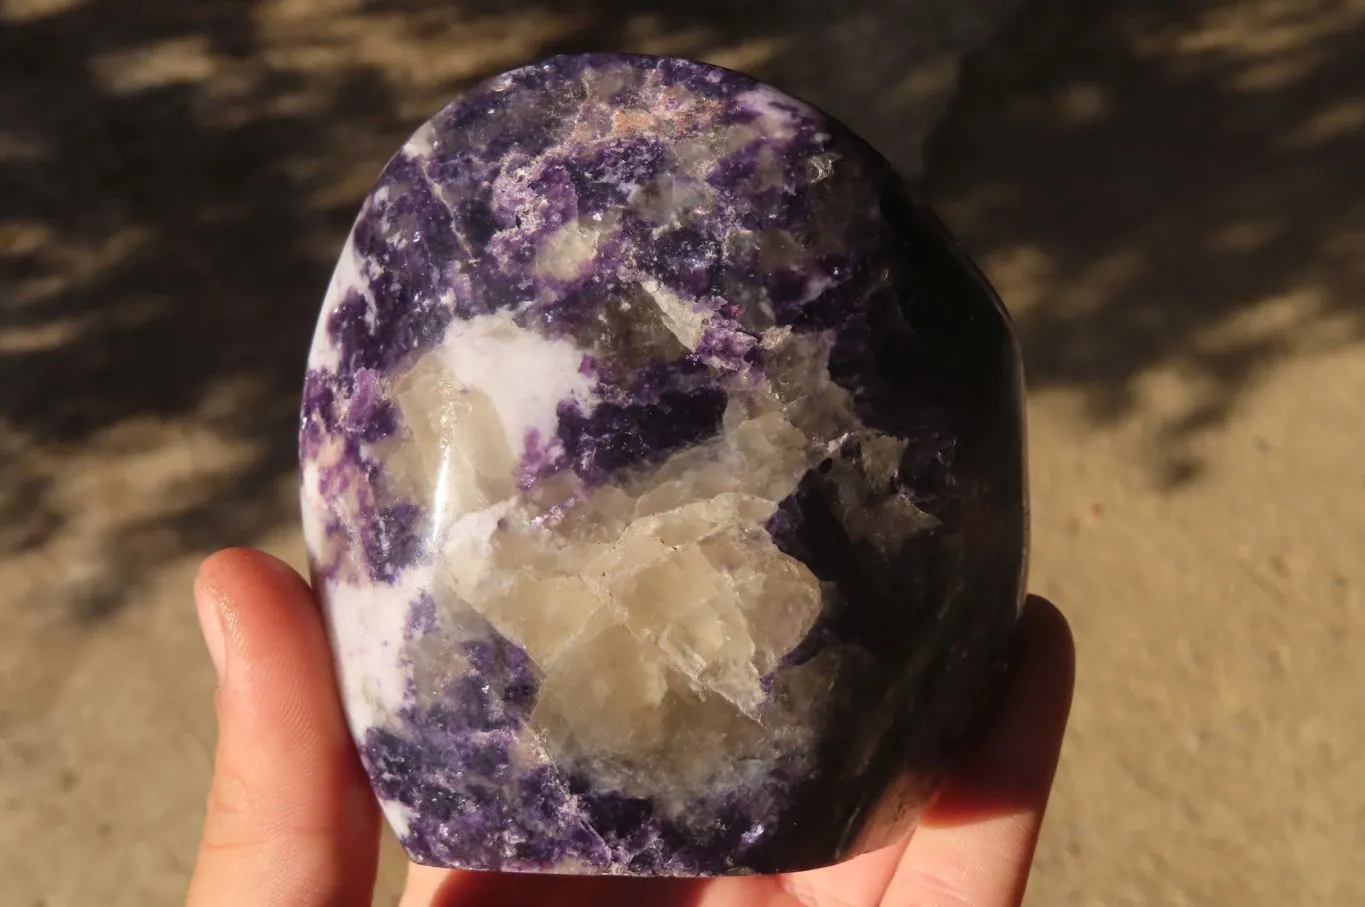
{"x":233,"y":818}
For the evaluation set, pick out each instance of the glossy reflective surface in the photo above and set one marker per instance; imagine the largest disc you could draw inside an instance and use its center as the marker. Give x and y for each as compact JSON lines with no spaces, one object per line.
{"x":663,"y":471}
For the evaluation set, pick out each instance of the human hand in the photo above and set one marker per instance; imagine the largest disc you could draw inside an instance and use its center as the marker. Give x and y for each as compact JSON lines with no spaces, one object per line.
{"x":291,"y":821}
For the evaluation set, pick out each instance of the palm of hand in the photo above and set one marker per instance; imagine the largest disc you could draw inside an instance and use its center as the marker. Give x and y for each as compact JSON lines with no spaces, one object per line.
{"x":291,"y":820}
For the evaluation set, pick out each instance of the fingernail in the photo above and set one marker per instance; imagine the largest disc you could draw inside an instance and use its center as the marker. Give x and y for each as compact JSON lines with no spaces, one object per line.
{"x":211,"y":626}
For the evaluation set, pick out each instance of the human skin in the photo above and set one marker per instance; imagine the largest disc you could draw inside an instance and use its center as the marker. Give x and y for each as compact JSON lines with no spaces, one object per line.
{"x":291,"y":821}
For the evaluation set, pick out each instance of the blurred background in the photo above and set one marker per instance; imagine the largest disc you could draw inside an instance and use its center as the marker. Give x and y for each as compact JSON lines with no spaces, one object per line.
{"x":1167,"y":193}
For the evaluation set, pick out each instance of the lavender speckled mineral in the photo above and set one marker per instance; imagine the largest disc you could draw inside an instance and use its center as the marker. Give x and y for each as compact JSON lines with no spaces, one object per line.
{"x":663,"y":475}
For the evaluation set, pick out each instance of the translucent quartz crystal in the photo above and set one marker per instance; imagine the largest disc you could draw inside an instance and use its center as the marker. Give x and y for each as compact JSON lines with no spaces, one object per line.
{"x":663,"y":475}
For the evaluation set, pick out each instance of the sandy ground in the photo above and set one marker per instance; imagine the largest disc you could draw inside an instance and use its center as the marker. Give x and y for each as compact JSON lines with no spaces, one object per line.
{"x":1168,"y":193}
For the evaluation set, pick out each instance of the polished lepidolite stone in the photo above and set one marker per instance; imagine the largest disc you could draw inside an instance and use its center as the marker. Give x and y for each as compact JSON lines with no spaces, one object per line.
{"x":663,"y":475}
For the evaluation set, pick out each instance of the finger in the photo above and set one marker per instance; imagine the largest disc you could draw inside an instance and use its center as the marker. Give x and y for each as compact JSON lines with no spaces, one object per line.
{"x":491,"y":889}
{"x":424,"y":885}
{"x":856,"y":883}
{"x":975,"y":844}
{"x":290,"y":819}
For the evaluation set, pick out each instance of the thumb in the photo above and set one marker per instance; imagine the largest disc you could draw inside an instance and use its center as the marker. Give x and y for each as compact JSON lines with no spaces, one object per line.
{"x":290,"y":820}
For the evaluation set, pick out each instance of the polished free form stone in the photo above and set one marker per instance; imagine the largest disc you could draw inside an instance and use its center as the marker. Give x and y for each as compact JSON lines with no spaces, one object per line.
{"x":663,"y":477}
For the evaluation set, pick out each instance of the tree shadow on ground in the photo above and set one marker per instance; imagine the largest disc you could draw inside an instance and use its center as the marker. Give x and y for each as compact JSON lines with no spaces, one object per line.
{"x":1175,"y":185}
{"x":176,"y":179}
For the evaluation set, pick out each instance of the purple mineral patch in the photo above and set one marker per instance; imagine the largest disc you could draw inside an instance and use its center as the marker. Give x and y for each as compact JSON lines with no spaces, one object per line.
{"x":613,"y":436}
{"x":451,"y":765}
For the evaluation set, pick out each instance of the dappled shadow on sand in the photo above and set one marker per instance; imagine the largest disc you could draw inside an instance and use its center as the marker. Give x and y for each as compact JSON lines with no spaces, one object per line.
{"x":1149,"y":185}
{"x":1166,"y":187}
{"x":175,"y":182}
